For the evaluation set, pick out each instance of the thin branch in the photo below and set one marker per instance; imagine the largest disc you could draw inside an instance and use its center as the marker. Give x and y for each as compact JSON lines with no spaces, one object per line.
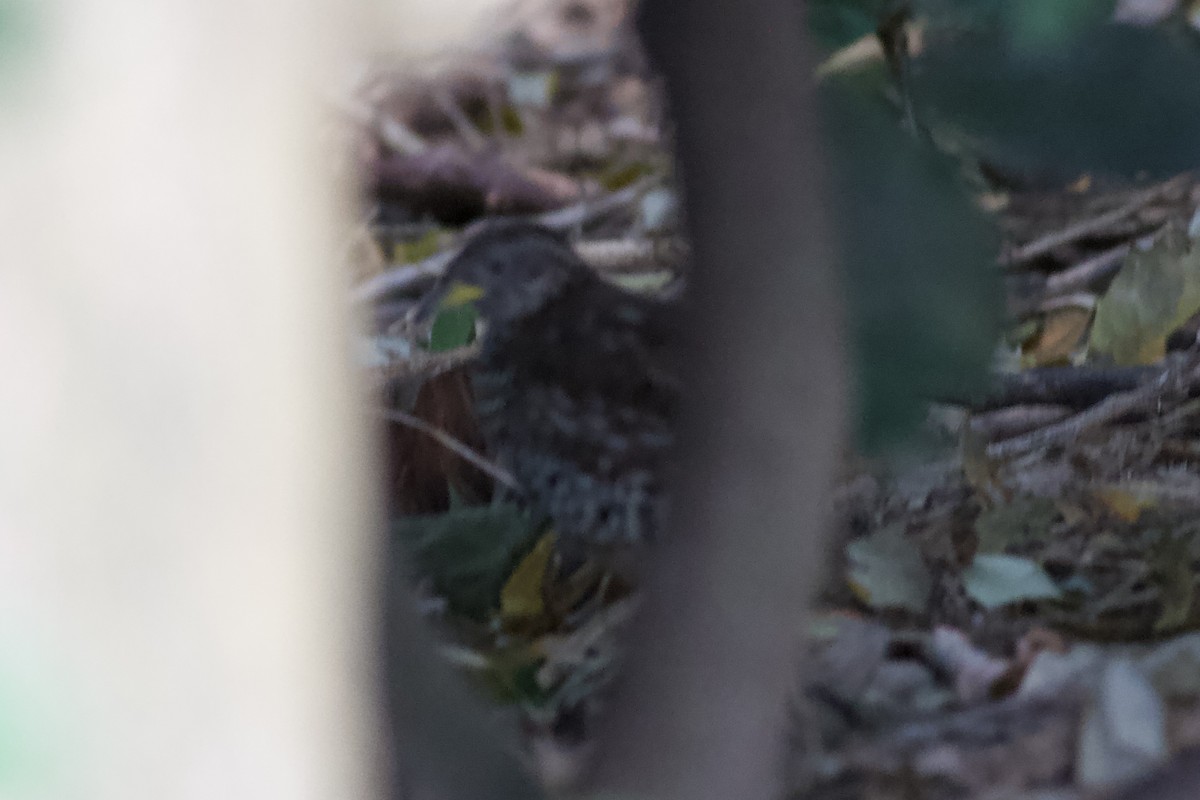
{"x":1172,"y":378}
{"x":1078,"y":387}
{"x":1005,"y":423}
{"x":466,"y":129}
{"x":631,"y":255}
{"x":1061,"y":432}
{"x":455,"y":446}
{"x":585,"y":211}
{"x":1088,"y":272}
{"x":1084,"y":301}
{"x":391,"y":131}
{"x":1079,"y":230}
{"x":419,"y":365}
{"x":409,"y":276}
{"x":401,"y":278}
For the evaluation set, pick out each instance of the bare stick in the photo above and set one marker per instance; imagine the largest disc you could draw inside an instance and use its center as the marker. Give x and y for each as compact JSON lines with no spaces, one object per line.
{"x":585,"y":211}
{"x":409,"y":275}
{"x":391,"y":131}
{"x":420,"y":365}
{"x":402,"y":277}
{"x":1087,"y":272}
{"x":1105,"y":411}
{"x":1044,"y":244}
{"x":453,"y":445}
{"x":631,"y":255}
{"x":466,"y":129}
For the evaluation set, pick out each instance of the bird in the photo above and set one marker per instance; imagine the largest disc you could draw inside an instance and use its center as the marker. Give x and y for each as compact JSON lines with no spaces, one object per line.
{"x":575,"y":386}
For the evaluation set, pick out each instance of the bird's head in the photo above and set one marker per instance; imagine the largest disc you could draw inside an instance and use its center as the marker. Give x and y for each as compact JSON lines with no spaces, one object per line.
{"x":506,"y":272}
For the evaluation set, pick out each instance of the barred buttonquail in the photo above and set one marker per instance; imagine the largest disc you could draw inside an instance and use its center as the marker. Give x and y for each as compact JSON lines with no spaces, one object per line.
{"x":574,"y":387}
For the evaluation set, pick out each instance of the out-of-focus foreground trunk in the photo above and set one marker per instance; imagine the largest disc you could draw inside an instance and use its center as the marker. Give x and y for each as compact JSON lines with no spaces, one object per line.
{"x":703,"y":708}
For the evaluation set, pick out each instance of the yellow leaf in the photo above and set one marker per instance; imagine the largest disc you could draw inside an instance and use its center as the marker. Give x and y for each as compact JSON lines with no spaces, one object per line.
{"x":860,"y":592}
{"x":1125,"y":503}
{"x":461,"y":294}
{"x":1081,"y":185}
{"x":981,"y":472}
{"x":414,"y":251}
{"x":1062,"y":332}
{"x":521,"y":595}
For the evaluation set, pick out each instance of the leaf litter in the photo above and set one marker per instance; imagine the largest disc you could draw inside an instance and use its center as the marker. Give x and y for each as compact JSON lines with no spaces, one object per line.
{"x":1018,"y":614}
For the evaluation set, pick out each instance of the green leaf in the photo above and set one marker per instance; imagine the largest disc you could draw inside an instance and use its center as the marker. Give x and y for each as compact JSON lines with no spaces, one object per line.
{"x":887,"y":571}
{"x":533,"y":89}
{"x":1156,"y":291}
{"x":453,"y":328}
{"x":1124,"y":730}
{"x":1023,"y":521}
{"x":839,"y":22}
{"x":998,"y":580}
{"x":1171,"y":560}
{"x":409,"y":252}
{"x":1035,"y":28}
{"x":1057,"y":97}
{"x":511,"y":675}
{"x":923,"y":292}
{"x":522,"y":596}
{"x":468,"y":553}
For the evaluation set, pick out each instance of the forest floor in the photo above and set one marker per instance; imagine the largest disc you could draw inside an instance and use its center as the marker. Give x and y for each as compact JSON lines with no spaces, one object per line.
{"x":1012,"y":610}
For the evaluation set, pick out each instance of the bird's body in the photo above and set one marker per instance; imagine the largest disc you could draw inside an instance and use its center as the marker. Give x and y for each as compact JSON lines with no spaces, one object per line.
{"x":574,"y":387}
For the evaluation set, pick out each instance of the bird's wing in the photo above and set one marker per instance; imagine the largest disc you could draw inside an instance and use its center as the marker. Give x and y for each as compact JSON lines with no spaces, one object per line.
{"x":597,"y":371}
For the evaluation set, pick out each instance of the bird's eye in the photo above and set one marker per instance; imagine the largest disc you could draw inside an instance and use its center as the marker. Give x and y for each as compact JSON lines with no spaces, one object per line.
{"x":494,"y":267}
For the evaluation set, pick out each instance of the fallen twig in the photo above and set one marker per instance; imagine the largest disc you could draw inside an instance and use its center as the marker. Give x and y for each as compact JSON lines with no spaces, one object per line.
{"x":409,"y":276}
{"x":1078,"y":387}
{"x":631,"y":255}
{"x":391,"y":131}
{"x":586,"y":211}
{"x":420,"y":365}
{"x":404,"y":277}
{"x":452,"y":183}
{"x":455,"y":446}
{"x":466,"y":129}
{"x":1173,"y":378}
{"x":1079,"y":230}
{"x":1005,"y":423}
{"x":1088,"y":272}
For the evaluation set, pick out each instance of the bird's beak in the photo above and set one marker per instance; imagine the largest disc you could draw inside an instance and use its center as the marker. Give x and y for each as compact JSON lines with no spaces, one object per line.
{"x":456,"y":294}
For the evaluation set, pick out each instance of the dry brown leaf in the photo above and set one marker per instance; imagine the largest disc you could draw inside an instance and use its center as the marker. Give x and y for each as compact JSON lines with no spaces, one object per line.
{"x":1063,"y":331}
{"x":1127,"y":504}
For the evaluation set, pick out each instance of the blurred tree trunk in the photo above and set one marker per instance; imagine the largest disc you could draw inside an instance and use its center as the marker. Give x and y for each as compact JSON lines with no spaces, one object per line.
{"x":701,"y":713}
{"x":183,"y":503}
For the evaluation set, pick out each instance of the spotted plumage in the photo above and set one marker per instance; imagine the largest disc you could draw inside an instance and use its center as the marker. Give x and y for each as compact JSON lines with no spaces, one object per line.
{"x":574,"y":386}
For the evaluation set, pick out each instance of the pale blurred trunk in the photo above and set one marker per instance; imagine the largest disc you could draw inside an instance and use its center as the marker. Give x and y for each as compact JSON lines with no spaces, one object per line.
{"x":183,"y":511}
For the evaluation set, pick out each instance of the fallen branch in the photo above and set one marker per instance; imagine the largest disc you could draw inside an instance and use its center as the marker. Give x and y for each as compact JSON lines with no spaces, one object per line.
{"x":420,"y":365}
{"x":452,"y":184}
{"x":1084,"y":228}
{"x":1077,"y":387}
{"x":409,"y":276}
{"x":455,"y":446}
{"x":1175,"y":378}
